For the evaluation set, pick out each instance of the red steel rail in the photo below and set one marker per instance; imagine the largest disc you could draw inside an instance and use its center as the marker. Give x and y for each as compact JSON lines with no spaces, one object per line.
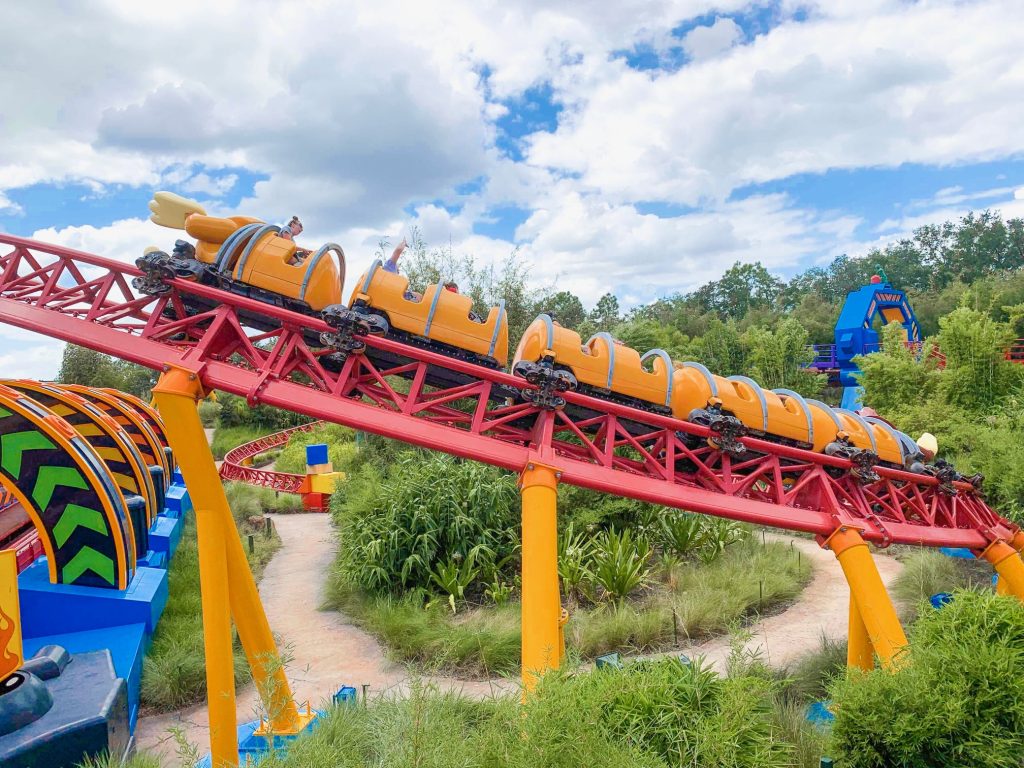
{"x":235,"y":467}
{"x":87,"y":300}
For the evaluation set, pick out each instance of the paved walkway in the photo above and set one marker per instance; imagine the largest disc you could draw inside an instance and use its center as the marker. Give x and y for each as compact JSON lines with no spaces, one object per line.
{"x":822,"y":608}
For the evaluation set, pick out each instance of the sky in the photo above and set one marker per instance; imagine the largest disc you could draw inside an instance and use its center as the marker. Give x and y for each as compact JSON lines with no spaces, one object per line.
{"x":638,"y":147}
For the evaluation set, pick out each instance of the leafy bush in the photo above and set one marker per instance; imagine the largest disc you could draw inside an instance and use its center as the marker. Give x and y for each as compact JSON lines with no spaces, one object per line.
{"x":209,"y":411}
{"x":575,"y":553}
{"x":957,"y":700}
{"x":620,"y":563}
{"x":681,"y":714}
{"x":396,"y":529}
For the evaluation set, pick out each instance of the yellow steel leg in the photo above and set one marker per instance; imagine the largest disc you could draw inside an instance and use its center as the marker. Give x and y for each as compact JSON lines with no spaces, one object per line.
{"x":866,"y":588}
{"x":541,"y":607}
{"x":859,"y":652}
{"x":176,"y":396}
{"x":1008,"y":565}
{"x":176,"y":401}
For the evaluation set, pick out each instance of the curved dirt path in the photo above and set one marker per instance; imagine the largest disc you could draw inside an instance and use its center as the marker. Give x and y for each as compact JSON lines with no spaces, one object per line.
{"x":822,"y":608}
{"x":328,"y":650}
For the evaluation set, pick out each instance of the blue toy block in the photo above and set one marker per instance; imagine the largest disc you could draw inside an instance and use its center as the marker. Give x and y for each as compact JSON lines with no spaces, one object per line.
{"x":940,"y":599}
{"x":177,"y":478}
{"x":127,"y":645}
{"x":51,"y":609}
{"x":345,"y":695}
{"x":820,"y":714}
{"x":178,"y":502}
{"x":961,"y":552}
{"x":165,"y":535}
{"x":316,"y":454}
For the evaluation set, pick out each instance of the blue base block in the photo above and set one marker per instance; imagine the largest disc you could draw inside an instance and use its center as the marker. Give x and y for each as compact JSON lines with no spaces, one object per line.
{"x":153,"y":560}
{"x":177,"y":501}
{"x":176,"y":477}
{"x":252,"y":748}
{"x":127,"y":645}
{"x":165,"y":535}
{"x":51,"y":609}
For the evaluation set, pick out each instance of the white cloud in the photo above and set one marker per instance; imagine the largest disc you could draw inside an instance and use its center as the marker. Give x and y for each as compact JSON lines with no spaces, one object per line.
{"x":1018,"y":194}
{"x":703,"y":42}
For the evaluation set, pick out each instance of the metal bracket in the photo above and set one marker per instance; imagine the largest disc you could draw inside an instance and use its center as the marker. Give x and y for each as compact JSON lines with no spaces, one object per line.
{"x":550,"y":383}
{"x":349,"y":324}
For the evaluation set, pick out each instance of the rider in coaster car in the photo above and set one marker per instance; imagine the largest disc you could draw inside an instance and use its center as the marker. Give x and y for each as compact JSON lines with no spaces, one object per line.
{"x":452,"y":286}
{"x":290,"y":231}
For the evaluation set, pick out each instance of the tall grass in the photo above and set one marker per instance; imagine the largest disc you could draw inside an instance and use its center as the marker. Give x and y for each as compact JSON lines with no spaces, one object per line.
{"x":226,"y":438}
{"x":174,"y":672}
{"x":707,"y":599}
{"x":927,"y":572}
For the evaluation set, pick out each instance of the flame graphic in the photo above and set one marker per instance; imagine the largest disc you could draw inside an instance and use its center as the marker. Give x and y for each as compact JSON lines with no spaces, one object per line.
{"x":7,"y":630}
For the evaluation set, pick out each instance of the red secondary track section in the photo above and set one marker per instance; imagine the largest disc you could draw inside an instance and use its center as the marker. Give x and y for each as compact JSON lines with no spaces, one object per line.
{"x":235,"y":468}
{"x":88,"y":300}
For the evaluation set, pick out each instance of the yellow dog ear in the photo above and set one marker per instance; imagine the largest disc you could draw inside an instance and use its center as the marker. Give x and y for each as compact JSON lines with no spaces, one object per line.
{"x":171,"y":210}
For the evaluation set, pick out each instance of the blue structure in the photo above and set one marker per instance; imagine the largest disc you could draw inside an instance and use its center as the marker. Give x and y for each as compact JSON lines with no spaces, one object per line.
{"x":105,"y":634}
{"x":854,"y":334}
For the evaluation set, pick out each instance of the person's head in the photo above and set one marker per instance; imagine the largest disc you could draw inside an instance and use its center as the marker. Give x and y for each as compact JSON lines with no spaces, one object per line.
{"x":451,"y":286}
{"x":295,"y":226}
{"x":928,"y":446}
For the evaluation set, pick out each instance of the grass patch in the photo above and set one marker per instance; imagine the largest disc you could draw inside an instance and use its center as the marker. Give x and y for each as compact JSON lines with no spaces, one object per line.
{"x":747,"y":579}
{"x":174,"y":671}
{"x":927,"y":572}
{"x":226,"y":438}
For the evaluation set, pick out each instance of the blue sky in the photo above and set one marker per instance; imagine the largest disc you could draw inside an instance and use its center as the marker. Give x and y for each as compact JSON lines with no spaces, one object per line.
{"x":641,"y":150}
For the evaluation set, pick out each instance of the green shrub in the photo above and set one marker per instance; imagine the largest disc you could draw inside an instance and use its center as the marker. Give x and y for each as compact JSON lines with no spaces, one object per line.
{"x":808,"y":677}
{"x":681,"y":714}
{"x":209,"y":411}
{"x":957,"y":700}
{"x":394,"y":530}
{"x":619,"y":563}
{"x":227,"y":438}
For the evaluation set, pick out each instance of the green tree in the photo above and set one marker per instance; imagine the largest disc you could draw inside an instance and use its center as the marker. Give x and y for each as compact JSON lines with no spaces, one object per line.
{"x":94,"y":369}
{"x":605,"y":315}
{"x":977,"y":376}
{"x":567,"y":307}
{"x":742,"y":288}
{"x":896,"y":376}
{"x":776,"y":359}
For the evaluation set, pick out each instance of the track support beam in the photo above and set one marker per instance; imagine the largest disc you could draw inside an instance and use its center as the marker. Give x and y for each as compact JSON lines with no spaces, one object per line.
{"x":869,"y":596}
{"x":1005,"y":559}
{"x":860,"y":654}
{"x":542,"y":634}
{"x":227,"y":586}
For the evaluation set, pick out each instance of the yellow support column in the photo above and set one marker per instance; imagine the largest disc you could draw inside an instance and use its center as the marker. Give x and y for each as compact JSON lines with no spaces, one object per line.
{"x":859,"y":653}
{"x":541,"y":606}
{"x":876,"y":610}
{"x":1008,"y":565}
{"x":175,"y":396}
{"x":235,"y":590}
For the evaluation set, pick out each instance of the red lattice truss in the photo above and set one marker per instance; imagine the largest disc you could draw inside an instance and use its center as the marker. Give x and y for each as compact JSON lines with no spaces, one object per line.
{"x":88,"y":300}
{"x":236,"y":466}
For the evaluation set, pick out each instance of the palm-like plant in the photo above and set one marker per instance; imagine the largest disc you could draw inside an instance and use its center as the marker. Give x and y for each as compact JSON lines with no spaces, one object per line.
{"x":620,"y":563}
{"x":575,"y":551}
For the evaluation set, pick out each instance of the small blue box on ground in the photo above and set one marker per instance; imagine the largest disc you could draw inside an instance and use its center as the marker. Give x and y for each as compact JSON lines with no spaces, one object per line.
{"x":345,"y":695}
{"x":316,"y":454}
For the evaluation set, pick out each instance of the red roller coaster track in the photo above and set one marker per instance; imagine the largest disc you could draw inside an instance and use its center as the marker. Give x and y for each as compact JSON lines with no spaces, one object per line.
{"x":235,"y":468}
{"x":88,"y":300}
